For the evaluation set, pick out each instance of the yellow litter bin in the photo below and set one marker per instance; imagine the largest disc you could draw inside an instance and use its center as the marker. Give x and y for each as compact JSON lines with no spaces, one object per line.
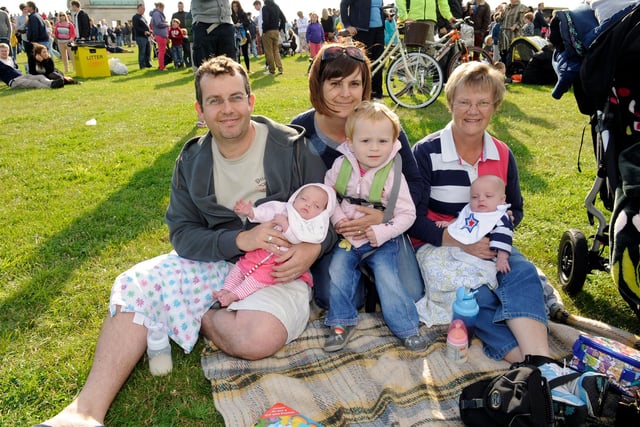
{"x":90,"y":59}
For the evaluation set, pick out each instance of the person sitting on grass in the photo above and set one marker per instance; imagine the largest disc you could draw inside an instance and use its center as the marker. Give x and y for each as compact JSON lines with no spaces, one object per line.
{"x":242,"y":156}
{"x":41,"y":62}
{"x":13,"y":77}
{"x":304,"y":218}
{"x":368,"y":175}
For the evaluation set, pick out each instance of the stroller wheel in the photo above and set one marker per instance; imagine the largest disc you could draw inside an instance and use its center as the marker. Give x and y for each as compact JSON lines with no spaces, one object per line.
{"x":573,"y":259}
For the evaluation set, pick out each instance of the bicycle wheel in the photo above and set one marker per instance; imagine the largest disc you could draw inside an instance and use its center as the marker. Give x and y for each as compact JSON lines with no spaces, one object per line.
{"x":473,"y":54}
{"x":414,"y":80}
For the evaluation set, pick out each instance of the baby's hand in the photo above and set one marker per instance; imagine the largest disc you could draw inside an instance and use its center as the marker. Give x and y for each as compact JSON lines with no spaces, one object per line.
{"x":244,"y":208}
{"x":282,"y":221}
{"x":371,"y":236}
{"x":443,"y":224}
{"x":502,"y":262}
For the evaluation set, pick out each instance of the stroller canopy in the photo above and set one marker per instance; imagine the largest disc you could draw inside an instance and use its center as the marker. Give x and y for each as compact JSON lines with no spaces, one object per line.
{"x":521,"y":51}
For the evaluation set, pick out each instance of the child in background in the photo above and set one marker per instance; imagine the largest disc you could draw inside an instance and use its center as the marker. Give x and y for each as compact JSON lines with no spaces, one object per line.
{"x":304,"y":218}
{"x":176,"y":35}
{"x":365,"y":175}
{"x":315,"y":35}
{"x":488,"y":44}
{"x":527,"y":28}
{"x":389,"y":29}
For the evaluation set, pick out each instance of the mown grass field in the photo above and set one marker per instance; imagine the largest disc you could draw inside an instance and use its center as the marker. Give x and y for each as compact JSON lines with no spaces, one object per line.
{"x":80,"y":204}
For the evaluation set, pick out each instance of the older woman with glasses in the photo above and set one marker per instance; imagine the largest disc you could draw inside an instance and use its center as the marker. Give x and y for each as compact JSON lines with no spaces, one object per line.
{"x":339,"y":79}
{"x":512,"y":321}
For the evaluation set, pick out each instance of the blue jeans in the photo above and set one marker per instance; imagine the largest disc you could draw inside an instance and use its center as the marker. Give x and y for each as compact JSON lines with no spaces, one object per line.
{"x":519,"y":294}
{"x":220,"y":41}
{"x":176,"y":52}
{"x":144,"y":51}
{"x":398,"y":307}
{"x":410,"y":276}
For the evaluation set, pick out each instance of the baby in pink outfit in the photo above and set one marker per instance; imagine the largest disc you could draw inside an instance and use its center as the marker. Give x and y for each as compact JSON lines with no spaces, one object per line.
{"x":304,"y":218}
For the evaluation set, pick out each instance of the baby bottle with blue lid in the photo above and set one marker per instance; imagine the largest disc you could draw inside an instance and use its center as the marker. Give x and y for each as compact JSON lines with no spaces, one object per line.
{"x":466,"y":308}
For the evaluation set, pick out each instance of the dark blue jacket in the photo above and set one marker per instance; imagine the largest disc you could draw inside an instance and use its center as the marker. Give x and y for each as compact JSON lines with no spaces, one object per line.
{"x":357,"y":13}
{"x":36,"y":31}
{"x":8,"y":73}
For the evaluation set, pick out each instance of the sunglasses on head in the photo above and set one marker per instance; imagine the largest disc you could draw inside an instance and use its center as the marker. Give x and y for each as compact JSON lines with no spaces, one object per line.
{"x":335,"y":52}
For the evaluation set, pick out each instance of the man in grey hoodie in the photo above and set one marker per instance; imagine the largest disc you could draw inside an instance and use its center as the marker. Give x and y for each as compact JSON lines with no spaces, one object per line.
{"x":242,"y":156}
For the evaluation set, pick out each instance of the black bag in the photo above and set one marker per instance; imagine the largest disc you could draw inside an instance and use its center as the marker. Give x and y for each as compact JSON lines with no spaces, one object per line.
{"x":522,"y":397}
{"x":519,"y":397}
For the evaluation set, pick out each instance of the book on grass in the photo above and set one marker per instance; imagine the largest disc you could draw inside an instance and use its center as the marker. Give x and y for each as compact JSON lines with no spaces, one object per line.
{"x":281,"y":415}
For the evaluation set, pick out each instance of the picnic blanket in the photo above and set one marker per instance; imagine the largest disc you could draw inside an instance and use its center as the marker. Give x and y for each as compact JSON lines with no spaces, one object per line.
{"x":373,"y":381}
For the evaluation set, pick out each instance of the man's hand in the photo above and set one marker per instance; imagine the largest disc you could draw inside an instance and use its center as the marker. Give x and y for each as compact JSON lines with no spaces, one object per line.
{"x":294,"y":262}
{"x":263,"y":236}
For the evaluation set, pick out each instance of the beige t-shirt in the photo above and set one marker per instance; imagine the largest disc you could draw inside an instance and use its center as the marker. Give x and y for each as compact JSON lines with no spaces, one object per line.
{"x":241,"y":178}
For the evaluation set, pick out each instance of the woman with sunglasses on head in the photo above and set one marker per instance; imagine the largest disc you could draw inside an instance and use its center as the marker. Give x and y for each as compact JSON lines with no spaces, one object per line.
{"x":339,"y":79}
{"x":512,"y":321}
{"x":64,"y":32}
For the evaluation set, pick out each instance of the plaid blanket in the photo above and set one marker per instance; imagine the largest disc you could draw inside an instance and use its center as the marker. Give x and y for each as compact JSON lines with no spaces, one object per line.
{"x":374,"y":381}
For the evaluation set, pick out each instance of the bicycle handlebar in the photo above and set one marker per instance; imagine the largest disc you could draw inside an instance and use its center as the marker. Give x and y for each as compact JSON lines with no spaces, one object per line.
{"x":466,"y":20}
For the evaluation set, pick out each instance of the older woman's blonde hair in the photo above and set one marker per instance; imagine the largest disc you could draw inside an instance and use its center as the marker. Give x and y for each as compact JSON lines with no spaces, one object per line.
{"x":476,"y":76}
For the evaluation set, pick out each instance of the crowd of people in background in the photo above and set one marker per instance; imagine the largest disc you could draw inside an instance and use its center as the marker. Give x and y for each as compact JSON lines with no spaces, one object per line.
{"x":245,"y":37}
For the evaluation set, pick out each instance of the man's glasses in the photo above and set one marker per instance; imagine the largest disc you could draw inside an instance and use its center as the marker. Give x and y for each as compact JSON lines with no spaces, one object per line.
{"x":466,"y":105}
{"x":218,"y":101}
{"x":335,"y":52}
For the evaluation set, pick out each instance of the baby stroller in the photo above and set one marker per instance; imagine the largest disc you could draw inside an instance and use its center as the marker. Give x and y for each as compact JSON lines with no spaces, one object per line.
{"x":531,"y":58}
{"x":287,"y":46}
{"x":521,"y":50}
{"x":608,"y":90}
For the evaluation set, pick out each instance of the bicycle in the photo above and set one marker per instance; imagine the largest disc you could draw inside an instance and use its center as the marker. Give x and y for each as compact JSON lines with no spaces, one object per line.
{"x":453,"y":44}
{"x":413,"y":78}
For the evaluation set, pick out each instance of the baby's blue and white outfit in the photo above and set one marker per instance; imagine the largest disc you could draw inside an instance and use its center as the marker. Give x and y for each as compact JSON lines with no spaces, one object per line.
{"x":446,"y":268}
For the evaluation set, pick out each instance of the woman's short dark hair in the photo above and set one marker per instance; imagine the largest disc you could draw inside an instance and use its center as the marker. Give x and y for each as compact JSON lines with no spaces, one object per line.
{"x":217,"y":66}
{"x":338,"y":68}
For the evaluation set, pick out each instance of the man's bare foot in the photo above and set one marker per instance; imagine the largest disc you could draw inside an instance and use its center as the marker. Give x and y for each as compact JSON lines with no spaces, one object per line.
{"x":70,"y":418}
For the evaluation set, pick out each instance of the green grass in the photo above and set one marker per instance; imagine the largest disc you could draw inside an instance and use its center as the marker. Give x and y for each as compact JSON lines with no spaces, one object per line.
{"x":80,"y":204}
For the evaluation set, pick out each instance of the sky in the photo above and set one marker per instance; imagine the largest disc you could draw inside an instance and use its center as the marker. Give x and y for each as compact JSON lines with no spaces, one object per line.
{"x":289,"y":7}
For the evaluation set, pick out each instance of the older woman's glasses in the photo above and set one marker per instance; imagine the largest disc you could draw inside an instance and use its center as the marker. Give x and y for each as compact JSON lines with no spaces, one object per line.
{"x":466,"y":105}
{"x":335,"y":52}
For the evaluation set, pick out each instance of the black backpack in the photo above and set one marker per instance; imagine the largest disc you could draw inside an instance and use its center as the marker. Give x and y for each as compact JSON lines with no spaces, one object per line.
{"x":518,"y":397}
{"x":522,"y":397}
